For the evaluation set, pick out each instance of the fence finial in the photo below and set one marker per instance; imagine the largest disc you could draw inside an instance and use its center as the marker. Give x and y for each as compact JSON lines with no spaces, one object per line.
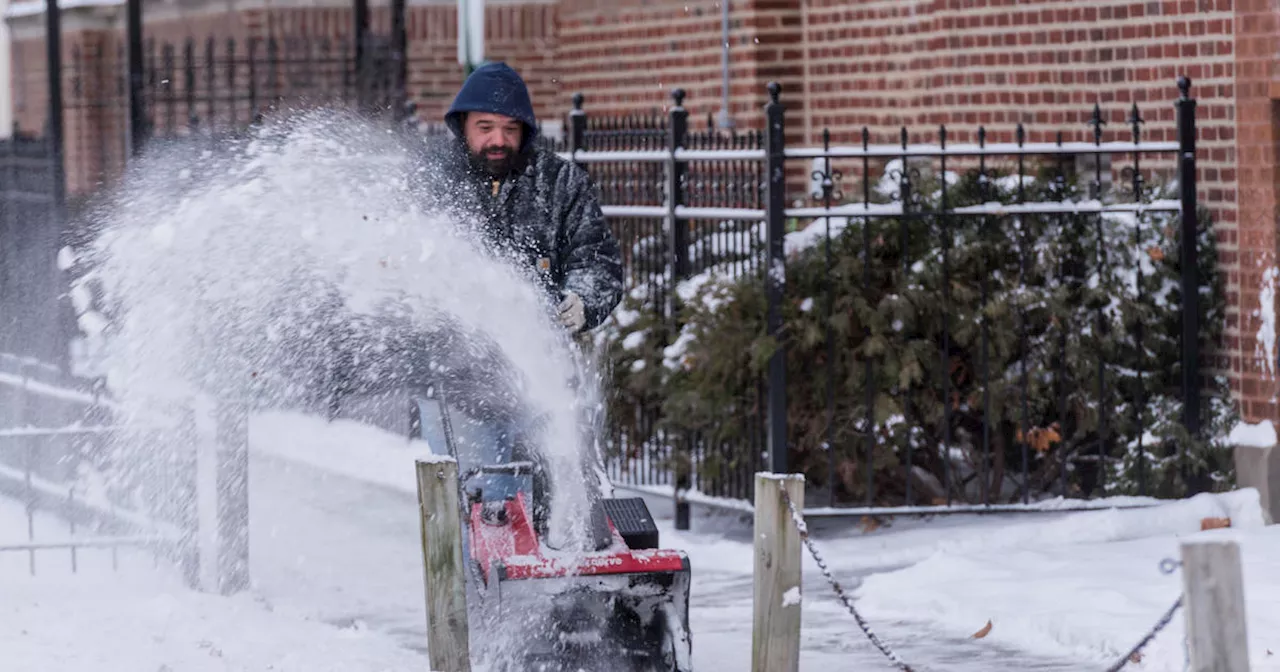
{"x":678,"y":96}
{"x":1136,"y":121}
{"x":578,"y":98}
{"x":1097,"y":122}
{"x":1184,"y":86}
{"x":775,"y":90}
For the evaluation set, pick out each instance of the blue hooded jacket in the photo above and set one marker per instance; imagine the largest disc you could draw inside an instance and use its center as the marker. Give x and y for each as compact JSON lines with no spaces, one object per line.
{"x":546,"y":212}
{"x":498,"y":89}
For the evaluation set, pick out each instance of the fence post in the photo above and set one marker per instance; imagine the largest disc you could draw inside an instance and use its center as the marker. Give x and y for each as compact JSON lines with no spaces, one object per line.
{"x":776,"y":275}
{"x":1213,"y":585}
{"x":138,"y":126}
{"x":775,"y":626}
{"x":577,"y":127}
{"x":233,"y":496}
{"x":188,"y":447}
{"x":56,"y":144}
{"x":448,"y":640}
{"x":360,"y":64}
{"x":678,"y":249}
{"x":24,"y":419}
{"x":1186,"y":114}
{"x":399,"y":62}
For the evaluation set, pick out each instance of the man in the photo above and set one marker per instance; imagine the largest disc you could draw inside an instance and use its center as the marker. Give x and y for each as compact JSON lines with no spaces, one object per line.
{"x":528,"y":203}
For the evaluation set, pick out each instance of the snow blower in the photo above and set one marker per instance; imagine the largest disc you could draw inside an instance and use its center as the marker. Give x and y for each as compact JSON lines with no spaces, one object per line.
{"x":622,"y":605}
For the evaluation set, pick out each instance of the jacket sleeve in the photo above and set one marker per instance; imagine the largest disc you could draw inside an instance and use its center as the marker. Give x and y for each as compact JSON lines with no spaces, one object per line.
{"x":592,"y":260}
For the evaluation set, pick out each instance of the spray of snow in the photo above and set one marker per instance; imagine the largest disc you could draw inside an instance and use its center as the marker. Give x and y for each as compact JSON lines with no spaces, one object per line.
{"x":236,"y":275}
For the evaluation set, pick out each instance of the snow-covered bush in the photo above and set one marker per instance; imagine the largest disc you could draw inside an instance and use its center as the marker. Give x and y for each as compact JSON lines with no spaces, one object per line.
{"x":1060,"y":293}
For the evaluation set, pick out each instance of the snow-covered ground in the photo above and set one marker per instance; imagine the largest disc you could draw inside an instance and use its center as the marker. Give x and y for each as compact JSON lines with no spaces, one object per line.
{"x":133,"y":613}
{"x":338,"y":580}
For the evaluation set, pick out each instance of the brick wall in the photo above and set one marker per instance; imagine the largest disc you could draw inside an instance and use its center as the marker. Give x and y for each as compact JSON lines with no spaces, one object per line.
{"x":627,"y":55}
{"x":521,"y":34}
{"x":1043,"y":63}
{"x":882,"y":64}
{"x":845,"y":64}
{"x":1257,"y":138}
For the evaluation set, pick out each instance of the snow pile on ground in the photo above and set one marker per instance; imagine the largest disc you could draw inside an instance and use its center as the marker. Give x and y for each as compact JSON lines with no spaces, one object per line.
{"x":133,"y":613}
{"x":132,"y":622}
{"x":1076,"y":585}
{"x":337,"y":580}
{"x":1092,"y":602}
{"x":341,"y":447}
{"x":1064,"y":531}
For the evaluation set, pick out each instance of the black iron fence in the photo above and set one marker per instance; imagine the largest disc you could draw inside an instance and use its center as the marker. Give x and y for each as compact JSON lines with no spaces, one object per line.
{"x":941,"y":323}
{"x":966,"y":324}
{"x":212,"y":88}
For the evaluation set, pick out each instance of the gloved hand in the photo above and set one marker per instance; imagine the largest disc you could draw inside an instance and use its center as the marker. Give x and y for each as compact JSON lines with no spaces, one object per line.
{"x":573,"y":315}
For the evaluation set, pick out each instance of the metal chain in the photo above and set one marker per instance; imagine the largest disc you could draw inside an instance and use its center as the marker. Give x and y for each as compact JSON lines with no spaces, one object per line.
{"x":835,"y":585}
{"x":1167,"y":566}
{"x":1160,"y":625}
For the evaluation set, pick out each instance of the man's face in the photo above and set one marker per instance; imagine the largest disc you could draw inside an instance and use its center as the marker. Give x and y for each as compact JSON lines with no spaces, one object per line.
{"x":493,"y":140}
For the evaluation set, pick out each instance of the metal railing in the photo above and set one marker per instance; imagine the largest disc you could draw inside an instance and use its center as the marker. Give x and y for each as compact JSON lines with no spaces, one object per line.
{"x":1063,"y":438}
{"x":40,"y":469}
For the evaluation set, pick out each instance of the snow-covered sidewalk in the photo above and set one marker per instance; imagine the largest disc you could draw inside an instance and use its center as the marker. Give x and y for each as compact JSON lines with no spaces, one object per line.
{"x":1064,"y":591}
{"x":337,"y":580}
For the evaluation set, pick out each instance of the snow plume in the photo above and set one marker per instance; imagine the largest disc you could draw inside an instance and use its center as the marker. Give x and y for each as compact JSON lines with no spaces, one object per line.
{"x":253,"y":272}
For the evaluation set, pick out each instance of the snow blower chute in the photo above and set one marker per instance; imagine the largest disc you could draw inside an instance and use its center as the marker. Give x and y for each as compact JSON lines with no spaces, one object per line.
{"x":621,"y":605}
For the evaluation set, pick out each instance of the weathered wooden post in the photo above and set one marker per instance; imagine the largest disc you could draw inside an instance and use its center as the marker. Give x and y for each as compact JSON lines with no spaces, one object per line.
{"x":775,"y":629}
{"x":1213,"y":586}
{"x":215,"y":477}
{"x":448,"y":640}
{"x":233,"y":496}
{"x":187,"y":447}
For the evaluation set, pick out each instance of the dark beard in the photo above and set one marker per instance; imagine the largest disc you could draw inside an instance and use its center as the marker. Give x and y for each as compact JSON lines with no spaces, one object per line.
{"x":509,"y":161}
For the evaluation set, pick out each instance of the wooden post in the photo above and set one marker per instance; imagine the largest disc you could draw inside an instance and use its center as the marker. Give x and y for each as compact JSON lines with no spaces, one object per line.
{"x":775,"y":633}
{"x":187,"y":449}
{"x":448,"y":641}
{"x":233,"y":497}
{"x":1213,"y":583}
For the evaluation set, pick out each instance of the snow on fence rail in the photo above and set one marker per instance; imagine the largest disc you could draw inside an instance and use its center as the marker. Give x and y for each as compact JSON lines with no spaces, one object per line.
{"x":209,"y":475}
{"x":1000,"y":150}
{"x":660,"y":182}
{"x":36,"y":453}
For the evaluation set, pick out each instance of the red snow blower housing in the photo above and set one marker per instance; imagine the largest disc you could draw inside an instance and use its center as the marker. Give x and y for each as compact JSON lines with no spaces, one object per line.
{"x":622,"y":604}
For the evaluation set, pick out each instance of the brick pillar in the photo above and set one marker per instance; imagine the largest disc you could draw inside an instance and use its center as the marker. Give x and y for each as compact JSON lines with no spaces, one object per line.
{"x":1253,"y":363}
{"x":89,"y":89}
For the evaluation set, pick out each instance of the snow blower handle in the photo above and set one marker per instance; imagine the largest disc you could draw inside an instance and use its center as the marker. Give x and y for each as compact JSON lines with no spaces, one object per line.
{"x":510,"y":468}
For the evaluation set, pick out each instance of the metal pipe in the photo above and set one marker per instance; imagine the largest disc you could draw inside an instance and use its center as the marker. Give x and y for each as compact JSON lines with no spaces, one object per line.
{"x":53,"y":52}
{"x":137,"y":104}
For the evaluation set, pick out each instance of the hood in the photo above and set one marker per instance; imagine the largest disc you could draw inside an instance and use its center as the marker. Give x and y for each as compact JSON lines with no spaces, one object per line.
{"x":496,"y":88}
